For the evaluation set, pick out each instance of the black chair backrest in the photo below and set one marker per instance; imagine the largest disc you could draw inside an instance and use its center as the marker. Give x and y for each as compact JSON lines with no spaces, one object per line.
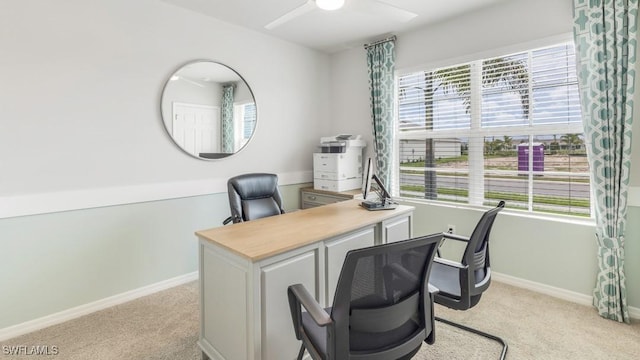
{"x":381,"y":303}
{"x":476,"y":254}
{"x":254,"y":196}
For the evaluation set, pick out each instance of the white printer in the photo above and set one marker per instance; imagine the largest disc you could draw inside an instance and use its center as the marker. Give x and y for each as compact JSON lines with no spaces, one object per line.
{"x":337,"y":164}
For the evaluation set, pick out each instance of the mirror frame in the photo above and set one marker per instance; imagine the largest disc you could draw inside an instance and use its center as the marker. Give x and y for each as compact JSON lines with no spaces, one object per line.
{"x":164,"y":120}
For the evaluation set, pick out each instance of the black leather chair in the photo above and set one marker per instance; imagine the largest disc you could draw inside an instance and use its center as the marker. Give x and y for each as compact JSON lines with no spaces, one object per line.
{"x":461,"y":284}
{"x":382,"y":310}
{"x":253,"y":196}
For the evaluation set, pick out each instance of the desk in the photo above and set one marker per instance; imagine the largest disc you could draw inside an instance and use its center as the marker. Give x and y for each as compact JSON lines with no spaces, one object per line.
{"x":245,"y":270}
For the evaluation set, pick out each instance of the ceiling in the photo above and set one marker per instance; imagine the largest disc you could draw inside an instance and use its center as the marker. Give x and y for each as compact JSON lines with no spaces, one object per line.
{"x":358,"y":22}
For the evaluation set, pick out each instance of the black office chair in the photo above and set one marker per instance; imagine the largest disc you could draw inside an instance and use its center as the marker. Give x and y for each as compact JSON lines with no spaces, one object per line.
{"x":461,"y":284}
{"x":381,"y":310}
{"x":253,"y":196}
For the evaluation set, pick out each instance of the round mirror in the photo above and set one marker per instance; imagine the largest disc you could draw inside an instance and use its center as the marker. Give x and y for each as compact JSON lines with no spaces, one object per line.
{"x":208,"y":110}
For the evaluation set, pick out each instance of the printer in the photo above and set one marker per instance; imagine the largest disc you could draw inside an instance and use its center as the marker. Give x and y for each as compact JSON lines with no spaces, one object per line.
{"x":337,"y":164}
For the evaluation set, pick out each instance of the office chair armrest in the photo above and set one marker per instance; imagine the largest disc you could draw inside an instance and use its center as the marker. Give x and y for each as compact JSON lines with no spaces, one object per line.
{"x":231,"y":218}
{"x":455,"y":237}
{"x":446,"y":235}
{"x":451,"y":263}
{"x":433,"y":290}
{"x":299,"y":296}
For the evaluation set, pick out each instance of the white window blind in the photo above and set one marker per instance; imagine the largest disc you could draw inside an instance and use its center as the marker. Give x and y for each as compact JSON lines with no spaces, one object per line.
{"x":505,"y":128}
{"x":245,"y":115}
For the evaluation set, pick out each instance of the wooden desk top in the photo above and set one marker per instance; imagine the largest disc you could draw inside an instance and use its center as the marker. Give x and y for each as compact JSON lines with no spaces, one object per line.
{"x":262,"y":238}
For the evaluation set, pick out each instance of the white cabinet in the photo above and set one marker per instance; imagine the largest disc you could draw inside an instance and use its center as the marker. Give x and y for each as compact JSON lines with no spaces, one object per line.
{"x":228,"y":292}
{"x":277,"y":329}
{"x":243,"y":289}
{"x":336,"y":252}
{"x":396,"y":229}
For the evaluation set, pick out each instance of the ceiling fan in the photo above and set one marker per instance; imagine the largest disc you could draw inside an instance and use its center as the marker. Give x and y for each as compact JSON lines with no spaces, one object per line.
{"x":375,"y":7}
{"x":184,"y":78}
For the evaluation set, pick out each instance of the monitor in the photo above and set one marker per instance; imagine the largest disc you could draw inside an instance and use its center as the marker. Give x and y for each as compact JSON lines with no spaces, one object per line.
{"x":383,"y":201}
{"x":366,"y":181}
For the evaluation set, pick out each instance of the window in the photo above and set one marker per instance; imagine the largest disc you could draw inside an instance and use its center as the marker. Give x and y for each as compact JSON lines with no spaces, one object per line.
{"x":245,"y":122}
{"x":506,"y":128}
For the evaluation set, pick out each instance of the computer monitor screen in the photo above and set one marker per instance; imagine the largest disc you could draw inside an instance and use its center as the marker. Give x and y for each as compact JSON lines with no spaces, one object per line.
{"x":366,"y":183}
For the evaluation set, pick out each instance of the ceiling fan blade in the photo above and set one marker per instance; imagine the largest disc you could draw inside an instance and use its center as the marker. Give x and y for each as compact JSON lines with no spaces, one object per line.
{"x":376,"y":7}
{"x":183,"y":78}
{"x":300,"y":10}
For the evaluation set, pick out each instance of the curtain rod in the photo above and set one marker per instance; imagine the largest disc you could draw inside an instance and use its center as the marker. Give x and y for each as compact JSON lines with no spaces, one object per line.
{"x":390,"y":38}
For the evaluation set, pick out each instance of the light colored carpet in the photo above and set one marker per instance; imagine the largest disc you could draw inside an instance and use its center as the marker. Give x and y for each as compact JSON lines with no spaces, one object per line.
{"x":165,"y":326}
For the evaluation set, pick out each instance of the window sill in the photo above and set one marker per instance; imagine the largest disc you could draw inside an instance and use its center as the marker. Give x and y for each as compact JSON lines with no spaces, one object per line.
{"x":574,"y":220}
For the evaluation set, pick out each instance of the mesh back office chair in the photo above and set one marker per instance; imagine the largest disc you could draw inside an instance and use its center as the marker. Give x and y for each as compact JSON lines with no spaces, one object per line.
{"x":381,"y":309}
{"x":253,"y":196}
{"x":461,"y":284}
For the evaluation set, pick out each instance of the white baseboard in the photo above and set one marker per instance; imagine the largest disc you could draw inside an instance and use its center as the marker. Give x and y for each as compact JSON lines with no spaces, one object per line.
{"x":559,"y":293}
{"x":66,"y":315}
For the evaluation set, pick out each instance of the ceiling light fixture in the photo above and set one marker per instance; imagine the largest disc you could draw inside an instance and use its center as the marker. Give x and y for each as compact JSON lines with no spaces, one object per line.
{"x":330,"y":4}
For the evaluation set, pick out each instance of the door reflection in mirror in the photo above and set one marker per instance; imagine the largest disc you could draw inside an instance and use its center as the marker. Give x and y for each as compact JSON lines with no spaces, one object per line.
{"x":208,"y":110}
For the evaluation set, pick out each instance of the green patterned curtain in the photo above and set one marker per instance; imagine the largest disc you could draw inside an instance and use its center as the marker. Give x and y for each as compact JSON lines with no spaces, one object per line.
{"x":605,"y":37}
{"x":381,"y":62}
{"x":228,"y":138}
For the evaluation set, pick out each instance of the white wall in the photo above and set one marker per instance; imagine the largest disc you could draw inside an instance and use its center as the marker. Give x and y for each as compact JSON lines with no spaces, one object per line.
{"x":81,"y":130}
{"x":82,"y":82}
{"x":556,"y":254}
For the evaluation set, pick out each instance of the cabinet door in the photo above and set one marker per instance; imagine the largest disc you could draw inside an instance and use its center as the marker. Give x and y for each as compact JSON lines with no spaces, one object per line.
{"x":224,"y":305}
{"x":337,"y":251}
{"x":278,"y":339}
{"x":396,"y":229}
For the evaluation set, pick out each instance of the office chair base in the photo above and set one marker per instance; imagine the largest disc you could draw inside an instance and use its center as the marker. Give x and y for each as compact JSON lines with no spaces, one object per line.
{"x":478,"y":332}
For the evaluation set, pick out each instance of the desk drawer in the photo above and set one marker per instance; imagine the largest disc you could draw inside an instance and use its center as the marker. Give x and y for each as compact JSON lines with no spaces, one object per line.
{"x":321,"y":199}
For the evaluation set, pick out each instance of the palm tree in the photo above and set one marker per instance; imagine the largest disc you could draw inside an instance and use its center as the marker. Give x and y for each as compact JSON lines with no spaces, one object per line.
{"x":507,"y":141}
{"x":511,"y":73}
{"x":571,"y":140}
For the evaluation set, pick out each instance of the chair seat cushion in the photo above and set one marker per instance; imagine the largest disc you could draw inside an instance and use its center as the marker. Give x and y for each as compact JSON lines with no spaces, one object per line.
{"x":446,"y":279}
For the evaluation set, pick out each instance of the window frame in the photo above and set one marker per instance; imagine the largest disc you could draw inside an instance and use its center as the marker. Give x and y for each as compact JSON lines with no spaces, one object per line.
{"x":482,"y":132}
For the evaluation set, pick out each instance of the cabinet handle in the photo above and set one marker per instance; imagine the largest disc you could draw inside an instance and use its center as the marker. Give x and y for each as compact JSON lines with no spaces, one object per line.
{"x":312,"y":197}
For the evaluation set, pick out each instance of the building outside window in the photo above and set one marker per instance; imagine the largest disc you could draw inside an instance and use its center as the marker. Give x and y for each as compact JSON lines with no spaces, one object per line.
{"x":504,"y":128}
